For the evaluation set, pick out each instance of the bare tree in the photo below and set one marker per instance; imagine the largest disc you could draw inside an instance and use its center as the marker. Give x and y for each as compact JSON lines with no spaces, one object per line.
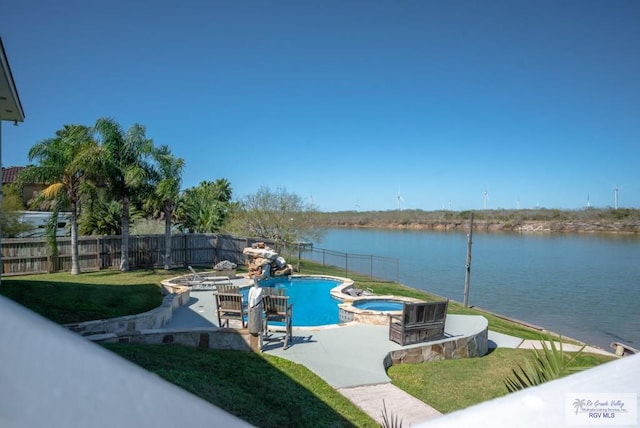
{"x":277,"y":215}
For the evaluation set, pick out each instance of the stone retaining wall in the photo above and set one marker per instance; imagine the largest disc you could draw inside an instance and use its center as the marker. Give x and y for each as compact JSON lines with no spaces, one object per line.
{"x":175,"y":296}
{"x":224,"y":338}
{"x":148,"y":328}
{"x":476,"y":345}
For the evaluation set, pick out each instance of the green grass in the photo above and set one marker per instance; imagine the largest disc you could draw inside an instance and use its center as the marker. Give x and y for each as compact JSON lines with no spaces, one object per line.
{"x":65,"y":298}
{"x":456,"y":384}
{"x":263,"y":390}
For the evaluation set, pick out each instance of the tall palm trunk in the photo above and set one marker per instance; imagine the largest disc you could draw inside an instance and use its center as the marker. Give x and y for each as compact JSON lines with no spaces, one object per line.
{"x":75,"y":260}
{"x":124,"y":246}
{"x":167,"y":237}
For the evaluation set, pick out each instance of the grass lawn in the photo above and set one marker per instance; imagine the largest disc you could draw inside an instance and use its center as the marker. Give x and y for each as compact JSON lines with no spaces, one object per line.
{"x":263,"y":389}
{"x":65,"y":298}
{"x":455,"y":384}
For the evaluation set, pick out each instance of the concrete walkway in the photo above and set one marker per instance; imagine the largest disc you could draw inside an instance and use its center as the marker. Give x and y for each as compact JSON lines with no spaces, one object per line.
{"x":373,"y":399}
{"x":350,"y":358}
{"x":567,"y":347}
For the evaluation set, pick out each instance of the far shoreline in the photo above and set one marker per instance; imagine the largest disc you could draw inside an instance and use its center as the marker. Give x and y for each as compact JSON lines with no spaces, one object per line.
{"x":528,"y":227}
{"x":607,"y":221}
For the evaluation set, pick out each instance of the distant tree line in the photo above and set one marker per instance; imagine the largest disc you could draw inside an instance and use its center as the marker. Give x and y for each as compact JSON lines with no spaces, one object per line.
{"x":588,"y":219}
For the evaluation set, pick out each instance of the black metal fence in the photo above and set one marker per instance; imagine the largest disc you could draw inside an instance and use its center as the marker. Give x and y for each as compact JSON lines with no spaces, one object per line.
{"x":375,"y":267}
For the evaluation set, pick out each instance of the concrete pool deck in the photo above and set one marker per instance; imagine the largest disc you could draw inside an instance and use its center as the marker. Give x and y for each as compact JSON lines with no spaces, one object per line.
{"x":349,"y":357}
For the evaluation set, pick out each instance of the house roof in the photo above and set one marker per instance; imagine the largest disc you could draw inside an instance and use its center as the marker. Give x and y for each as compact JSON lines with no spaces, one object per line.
{"x":10,"y":106}
{"x":10,"y":174}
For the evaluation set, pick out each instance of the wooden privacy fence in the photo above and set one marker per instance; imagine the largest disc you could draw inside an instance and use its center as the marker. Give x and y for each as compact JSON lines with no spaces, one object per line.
{"x":33,"y":255}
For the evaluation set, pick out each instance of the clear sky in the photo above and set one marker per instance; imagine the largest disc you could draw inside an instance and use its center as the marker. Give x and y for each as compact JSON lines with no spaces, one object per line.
{"x":346,"y":102}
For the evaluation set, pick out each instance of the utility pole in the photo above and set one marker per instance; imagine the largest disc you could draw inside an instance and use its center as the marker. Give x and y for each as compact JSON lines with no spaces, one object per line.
{"x":468,"y":271}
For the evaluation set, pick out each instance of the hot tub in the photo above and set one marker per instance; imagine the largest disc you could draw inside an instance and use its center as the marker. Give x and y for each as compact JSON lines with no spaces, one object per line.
{"x":372,"y":309}
{"x":380,"y":305}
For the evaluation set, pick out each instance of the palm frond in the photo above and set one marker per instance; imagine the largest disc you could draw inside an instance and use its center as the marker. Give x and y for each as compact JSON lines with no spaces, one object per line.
{"x":53,"y":191}
{"x":548,"y":363}
{"x":389,"y":420}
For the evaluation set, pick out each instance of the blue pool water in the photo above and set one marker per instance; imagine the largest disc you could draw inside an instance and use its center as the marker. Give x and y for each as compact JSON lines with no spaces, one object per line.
{"x":378,"y":305}
{"x":311,"y":298}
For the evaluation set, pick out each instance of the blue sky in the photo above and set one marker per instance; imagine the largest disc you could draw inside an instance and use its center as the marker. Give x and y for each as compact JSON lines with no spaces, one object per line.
{"x":348,"y":103}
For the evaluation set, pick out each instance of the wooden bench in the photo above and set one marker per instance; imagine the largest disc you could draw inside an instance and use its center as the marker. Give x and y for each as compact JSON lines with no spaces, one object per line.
{"x":419,"y":322}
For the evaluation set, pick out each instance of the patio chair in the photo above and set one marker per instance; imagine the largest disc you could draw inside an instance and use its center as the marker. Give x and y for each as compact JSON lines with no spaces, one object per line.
{"x":273,"y":291}
{"x":357,"y":292}
{"x":419,"y":322}
{"x":195,"y":276}
{"x":228,"y":289}
{"x":278,"y":309}
{"x":207,"y":282}
{"x":230,"y":306}
{"x":194,"y":279}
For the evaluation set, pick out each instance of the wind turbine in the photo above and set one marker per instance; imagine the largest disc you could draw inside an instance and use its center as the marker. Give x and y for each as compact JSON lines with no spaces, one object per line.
{"x":486,"y":196}
{"x":399,"y":199}
{"x":615,"y":196}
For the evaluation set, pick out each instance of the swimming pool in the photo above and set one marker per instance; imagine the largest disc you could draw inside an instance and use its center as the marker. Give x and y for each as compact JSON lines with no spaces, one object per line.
{"x":313,"y":304}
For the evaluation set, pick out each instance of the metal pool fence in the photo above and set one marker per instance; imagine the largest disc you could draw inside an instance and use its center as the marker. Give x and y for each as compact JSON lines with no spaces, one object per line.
{"x":375,"y":267}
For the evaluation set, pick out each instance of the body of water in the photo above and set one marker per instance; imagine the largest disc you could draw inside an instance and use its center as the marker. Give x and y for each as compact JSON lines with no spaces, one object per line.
{"x":582,"y":286}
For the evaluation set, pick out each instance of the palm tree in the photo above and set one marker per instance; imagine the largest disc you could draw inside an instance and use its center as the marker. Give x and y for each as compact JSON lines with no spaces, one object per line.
{"x":64,"y":165}
{"x":205,"y":208}
{"x":104,"y":217}
{"x":127,"y":169}
{"x":167,"y":192}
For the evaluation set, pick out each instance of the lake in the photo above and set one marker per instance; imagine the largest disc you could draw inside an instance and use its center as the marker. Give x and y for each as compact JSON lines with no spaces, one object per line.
{"x":581,"y":286}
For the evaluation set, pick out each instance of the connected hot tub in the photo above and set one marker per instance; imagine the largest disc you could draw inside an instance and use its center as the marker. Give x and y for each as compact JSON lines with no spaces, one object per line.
{"x":381,"y":305}
{"x":372,"y":309}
